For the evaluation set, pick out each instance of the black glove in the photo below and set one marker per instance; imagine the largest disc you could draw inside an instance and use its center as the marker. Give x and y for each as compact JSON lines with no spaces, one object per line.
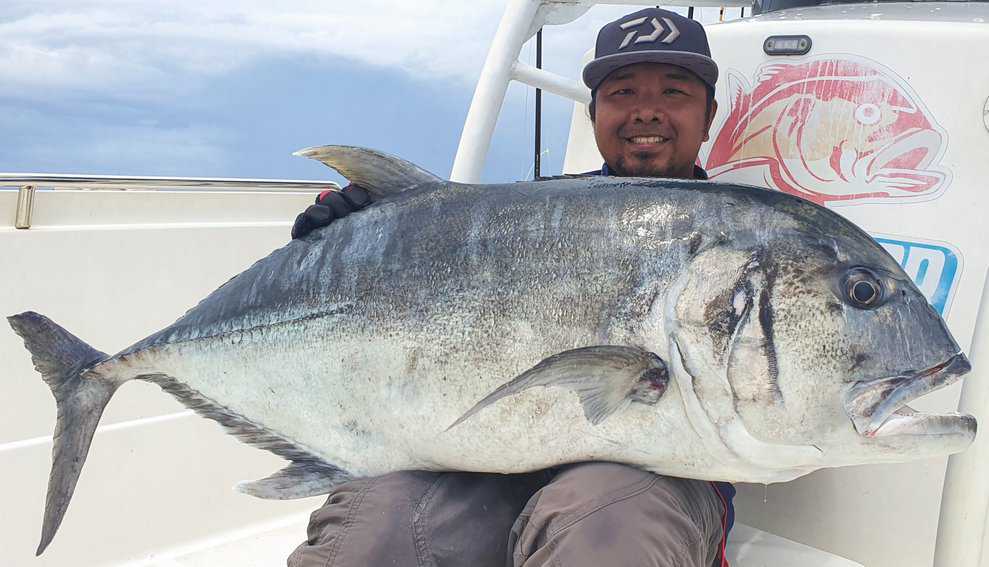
{"x":330,"y":205}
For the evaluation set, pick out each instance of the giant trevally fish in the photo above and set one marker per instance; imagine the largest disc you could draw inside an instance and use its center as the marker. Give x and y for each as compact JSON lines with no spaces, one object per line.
{"x":695,"y":329}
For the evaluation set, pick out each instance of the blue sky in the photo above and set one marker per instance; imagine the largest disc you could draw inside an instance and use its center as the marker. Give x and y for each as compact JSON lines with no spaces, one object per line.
{"x":232,"y":88}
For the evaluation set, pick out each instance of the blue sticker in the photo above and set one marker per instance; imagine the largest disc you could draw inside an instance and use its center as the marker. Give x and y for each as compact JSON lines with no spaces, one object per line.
{"x":933,"y":268}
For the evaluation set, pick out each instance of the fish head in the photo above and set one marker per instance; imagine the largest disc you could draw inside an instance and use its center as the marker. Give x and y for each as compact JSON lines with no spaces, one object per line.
{"x":808,"y":333}
{"x":902,"y":350}
{"x":855,"y":342}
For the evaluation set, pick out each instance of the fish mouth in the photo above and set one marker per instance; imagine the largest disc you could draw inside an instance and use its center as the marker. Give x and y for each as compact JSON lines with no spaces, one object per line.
{"x":902,"y":163}
{"x":878,"y":408}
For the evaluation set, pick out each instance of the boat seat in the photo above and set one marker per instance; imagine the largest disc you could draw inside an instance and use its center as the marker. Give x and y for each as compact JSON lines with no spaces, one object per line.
{"x":751,"y":547}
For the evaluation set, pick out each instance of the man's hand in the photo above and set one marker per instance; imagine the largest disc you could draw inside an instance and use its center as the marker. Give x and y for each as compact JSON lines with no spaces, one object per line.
{"x":330,"y":205}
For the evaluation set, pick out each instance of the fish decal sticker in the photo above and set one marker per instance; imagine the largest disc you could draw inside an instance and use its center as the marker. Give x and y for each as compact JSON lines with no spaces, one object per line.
{"x":833,"y":130}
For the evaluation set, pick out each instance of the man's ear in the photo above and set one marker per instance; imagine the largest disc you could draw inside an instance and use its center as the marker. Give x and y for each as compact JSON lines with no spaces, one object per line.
{"x":710,"y":119}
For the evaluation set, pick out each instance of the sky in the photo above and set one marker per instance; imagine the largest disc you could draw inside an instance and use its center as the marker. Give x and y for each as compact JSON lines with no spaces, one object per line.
{"x":230,"y":88}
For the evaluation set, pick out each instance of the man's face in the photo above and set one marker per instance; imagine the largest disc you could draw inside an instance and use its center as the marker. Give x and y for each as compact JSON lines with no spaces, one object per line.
{"x":650,"y":120}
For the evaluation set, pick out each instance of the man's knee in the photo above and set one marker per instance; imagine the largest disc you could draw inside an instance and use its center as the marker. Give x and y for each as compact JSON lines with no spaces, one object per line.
{"x":596,"y":511}
{"x":365,"y":520}
{"x":417,"y":518}
{"x":585,"y":488}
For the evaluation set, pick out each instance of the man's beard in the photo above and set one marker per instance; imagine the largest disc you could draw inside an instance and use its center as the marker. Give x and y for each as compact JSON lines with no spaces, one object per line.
{"x":647,"y":169}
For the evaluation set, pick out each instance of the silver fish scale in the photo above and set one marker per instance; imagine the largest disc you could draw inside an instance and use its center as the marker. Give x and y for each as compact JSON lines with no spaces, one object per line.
{"x":431,"y":242}
{"x":398,"y":318}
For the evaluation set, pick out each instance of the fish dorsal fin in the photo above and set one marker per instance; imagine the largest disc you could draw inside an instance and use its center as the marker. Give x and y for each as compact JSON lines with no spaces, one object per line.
{"x":735,"y":91}
{"x":379,"y":173}
{"x":739,"y":95}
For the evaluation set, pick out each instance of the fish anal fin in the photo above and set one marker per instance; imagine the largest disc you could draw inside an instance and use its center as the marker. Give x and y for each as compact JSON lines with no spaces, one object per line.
{"x":300,"y":479}
{"x":313,"y":474}
{"x":605,"y":378}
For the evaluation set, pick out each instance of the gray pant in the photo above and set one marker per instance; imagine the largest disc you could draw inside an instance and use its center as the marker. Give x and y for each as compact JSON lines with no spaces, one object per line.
{"x":588,"y":514}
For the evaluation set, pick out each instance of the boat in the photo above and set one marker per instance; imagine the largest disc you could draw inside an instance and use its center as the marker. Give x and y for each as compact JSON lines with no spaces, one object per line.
{"x":91,"y":251}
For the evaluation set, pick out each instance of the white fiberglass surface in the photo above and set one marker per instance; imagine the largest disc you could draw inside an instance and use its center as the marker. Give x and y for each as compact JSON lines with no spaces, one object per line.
{"x":111,"y":268}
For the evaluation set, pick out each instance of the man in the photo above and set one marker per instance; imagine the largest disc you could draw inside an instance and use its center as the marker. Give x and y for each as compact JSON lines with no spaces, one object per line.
{"x":652,"y":81}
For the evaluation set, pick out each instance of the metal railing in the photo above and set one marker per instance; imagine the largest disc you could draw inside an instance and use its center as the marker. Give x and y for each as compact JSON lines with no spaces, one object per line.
{"x":28,"y":183}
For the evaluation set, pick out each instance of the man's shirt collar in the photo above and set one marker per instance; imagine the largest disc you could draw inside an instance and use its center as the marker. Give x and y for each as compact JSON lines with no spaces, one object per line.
{"x":699,"y":172}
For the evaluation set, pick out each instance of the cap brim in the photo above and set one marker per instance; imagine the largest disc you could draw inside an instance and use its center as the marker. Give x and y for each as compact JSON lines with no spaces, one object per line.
{"x":701,"y":65}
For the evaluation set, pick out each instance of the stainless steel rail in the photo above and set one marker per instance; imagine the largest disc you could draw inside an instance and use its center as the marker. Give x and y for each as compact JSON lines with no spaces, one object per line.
{"x":28,"y":183}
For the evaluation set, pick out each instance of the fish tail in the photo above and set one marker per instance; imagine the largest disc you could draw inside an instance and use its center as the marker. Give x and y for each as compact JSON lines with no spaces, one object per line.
{"x":62,"y":358}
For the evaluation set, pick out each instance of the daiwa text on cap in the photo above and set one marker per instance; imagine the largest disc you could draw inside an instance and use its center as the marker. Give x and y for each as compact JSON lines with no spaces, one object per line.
{"x":652,"y":35}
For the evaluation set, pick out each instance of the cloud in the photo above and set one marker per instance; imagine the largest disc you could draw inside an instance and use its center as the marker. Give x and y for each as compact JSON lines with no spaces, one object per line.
{"x":133,"y":49}
{"x":206,"y":87}
{"x":163,"y":48}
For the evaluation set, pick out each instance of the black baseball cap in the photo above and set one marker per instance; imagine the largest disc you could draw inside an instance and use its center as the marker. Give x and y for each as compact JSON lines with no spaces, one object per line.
{"x":652,"y":35}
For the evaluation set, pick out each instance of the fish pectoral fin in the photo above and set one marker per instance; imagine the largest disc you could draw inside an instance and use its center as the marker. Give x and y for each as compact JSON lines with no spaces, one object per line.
{"x":300,"y":479}
{"x":377,"y":172}
{"x":605,"y":378}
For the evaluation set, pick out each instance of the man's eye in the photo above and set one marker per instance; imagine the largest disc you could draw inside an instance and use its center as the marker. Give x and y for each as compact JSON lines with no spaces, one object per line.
{"x":674,"y":91}
{"x":622,"y":91}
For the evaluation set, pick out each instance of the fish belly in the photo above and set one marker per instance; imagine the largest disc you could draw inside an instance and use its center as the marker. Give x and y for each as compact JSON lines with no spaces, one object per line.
{"x":373,"y":404}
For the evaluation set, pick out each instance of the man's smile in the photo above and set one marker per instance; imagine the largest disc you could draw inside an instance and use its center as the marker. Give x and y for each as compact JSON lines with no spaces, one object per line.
{"x":647,"y":140}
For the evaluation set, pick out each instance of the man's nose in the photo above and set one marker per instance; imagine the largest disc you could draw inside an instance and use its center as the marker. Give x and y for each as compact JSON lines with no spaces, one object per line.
{"x":649,"y":110}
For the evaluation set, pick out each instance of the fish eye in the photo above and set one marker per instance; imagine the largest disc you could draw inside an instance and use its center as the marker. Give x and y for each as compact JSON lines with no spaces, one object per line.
{"x":863,"y":289}
{"x":868,"y":114}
